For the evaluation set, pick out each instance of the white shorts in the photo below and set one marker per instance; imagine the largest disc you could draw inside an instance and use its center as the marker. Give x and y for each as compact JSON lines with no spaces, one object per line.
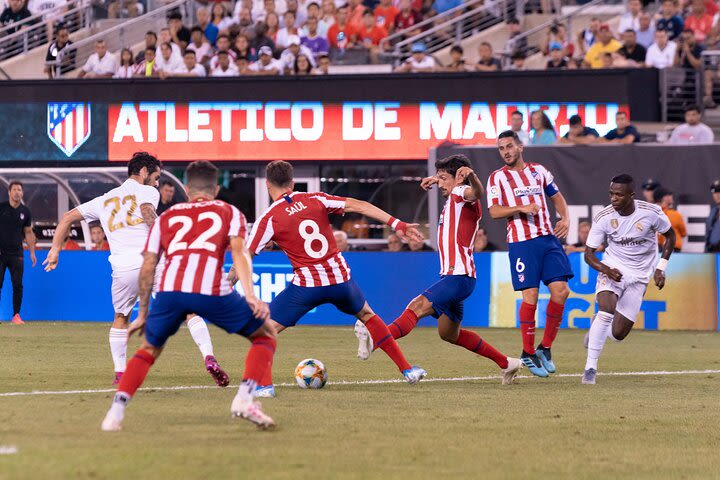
{"x":630,"y":294}
{"x":126,"y":286}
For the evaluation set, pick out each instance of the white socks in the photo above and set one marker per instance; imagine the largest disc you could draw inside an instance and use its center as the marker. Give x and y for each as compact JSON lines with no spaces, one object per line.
{"x":118,"y":348}
{"x":599,"y":331}
{"x":201,"y":335}
{"x":247,"y":390}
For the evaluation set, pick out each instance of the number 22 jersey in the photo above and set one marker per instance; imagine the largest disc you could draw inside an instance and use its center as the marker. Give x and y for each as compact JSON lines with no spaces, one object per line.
{"x":298,"y":223}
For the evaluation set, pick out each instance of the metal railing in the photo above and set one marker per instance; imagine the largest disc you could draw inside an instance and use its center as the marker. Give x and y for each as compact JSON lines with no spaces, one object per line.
{"x":679,"y":88}
{"x":32,"y":32}
{"x":117,"y":37}
{"x":450,"y":27}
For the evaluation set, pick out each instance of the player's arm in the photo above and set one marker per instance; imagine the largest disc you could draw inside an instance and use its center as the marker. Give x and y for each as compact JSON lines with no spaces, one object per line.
{"x":562,"y":227}
{"x":476,"y":190}
{"x":502,"y":211}
{"x":667,"y":250}
{"x":61,"y":232}
{"x":242,"y":263}
{"x":353,"y":205}
{"x":148,"y":213}
{"x":31,"y":240}
{"x":591,"y":259}
{"x":147,"y":278}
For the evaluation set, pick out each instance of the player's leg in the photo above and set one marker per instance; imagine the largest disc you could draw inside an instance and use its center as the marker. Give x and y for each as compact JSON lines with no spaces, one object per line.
{"x":627,"y":309}
{"x":16,"y":266}
{"x":418,"y":308}
{"x":599,"y":330}
{"x":201,"y":336}
{"x":124,"y":296}
{"x":118,"y":344}
{"x":3,"y":267}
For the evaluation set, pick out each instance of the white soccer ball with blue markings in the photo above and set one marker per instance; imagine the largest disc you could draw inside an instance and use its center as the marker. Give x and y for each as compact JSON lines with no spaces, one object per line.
{"x":311,"y":373}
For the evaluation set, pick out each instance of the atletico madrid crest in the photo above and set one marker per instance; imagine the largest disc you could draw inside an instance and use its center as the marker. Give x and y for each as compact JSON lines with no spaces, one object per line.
{"x":68,"y":125}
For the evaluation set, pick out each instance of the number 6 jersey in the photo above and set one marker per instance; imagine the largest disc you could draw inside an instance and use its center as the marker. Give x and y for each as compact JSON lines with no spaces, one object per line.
{"x":298,"y":223}
{"x":194,"y":237}
{"x":119,"y":214}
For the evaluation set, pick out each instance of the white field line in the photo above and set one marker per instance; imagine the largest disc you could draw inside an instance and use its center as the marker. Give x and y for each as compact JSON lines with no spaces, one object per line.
{"x":362,"y":382}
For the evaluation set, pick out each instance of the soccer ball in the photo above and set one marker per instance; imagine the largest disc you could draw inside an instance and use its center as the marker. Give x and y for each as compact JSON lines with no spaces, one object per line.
{"x":311,"y":373}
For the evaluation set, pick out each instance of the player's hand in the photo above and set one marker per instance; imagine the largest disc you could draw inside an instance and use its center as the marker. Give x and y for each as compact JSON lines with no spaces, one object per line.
{"x":659,"y":278}
{"x":562,"y":227}
{"x":33,"y":258}
{"x":259,"y":308}
{"x":428,"y":182}
{"x":232,"y":276}
{"x":530,"y":209}
{"x":614,"y":274}
{"x":462,"y":174}
{"x":51,"y":260}
{"x":138,"y":325}
{"x":411,"y":233}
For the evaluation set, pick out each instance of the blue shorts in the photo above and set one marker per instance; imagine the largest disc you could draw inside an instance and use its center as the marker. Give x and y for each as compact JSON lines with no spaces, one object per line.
{"x":294,"y":302}
{"x":541,"y":258}
{"x":169,"y":309}
{"x":448,"y":294}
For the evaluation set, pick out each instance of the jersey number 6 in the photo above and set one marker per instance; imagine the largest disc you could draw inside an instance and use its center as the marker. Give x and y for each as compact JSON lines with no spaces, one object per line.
{"x":519,"y":266}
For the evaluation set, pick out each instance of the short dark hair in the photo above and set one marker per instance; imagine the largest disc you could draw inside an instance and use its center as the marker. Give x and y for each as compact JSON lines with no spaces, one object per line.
{"x":196,"y":29}
{"x":174,"y":15}
{"x":167,"y":183}
{"x":513,"y":20}
{"x":660,"y":192}
{"x":324,"y":55}
{"x":94,"y":224}
{"x":222,"y":36}
{"x":486,"y":44}
{"x":279,"y":173}
{"x":13,"y":183}
{"x":518,"y":56}
{"x":367,"y":12}
{"x":242,"y":57}
{"x":313,"y":3}
{"x":621,"y":112}
{"x":623,"y":179}
{"x":517,"y":113}
{"x":692,"y":108}
{"x":575,"y":120}
{"x":452,"y":164}
{"x":630,"y":30}
{"x":222,"y":52}
{"x":201,"y":175}
{"x":150,"y":49}
{"x":510,"y":134}
{"x":143,"y":159}
{"x":456,"y":48}
{"x":153,"y":34}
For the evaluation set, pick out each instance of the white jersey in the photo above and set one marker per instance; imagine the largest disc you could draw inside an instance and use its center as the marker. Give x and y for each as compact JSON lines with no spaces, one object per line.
{"x":119,"y":214}
{"x":632,"y":240}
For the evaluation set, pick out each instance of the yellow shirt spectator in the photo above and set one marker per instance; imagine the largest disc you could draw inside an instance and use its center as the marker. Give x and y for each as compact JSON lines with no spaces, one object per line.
{"x":595,"y":54}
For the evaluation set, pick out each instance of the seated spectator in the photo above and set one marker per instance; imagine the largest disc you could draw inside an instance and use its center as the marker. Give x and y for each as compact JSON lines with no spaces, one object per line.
{"x":514,"y":45}
{"x":646,"y":33}
{"x":289,"y":29}
{"x":607,"y":60}
{"x":302,"y":65}
{"x":588,"y":37}
{"x":244,"y":23}
{"x":341,"y":240}
{"x":661,"y":54}
{"x":148,"y":67}
{"x":190,"y":68}
{"x":604,"y":44}
{"x":542,"y":131}
{"x":179,"y":33}
{"x":579,"y":246}
{"x":123,"y":9}
{"x":260,"y":9}
{"x":167,"y":61}
{"x":557,"y":59}
{"x":457,"y":62}
{"x":126,"y":69}
{"x":418,"y":61}
{"x":62,"y":40}
{"x":516,"y":125}
{"x":712,"y":224}
{"x":624,"y":132}
{"x":418,"y":245}
{"x":487,"y":62}
{"x":242,"y":64}
{"x":328,"y":14}
{"x":166,"y":37}
{"x":579,"y":134}
{"x":150,"y":42}
{"x":97,"y":235}
{"x":688,"y":55}
{"x":203,"y":20}
{"x":199,"y":45}
{"x":517,"y":62}
{"x":273,"y":24}
{"x":341,"y":34}
{"x":631,"y":50}
{"x":558,"y":34}
{"x":242,"y":48}
{"x":370,"y":35}
{"x":394,"y":244}
{"x":482,"y":244}
{"x":261,"y":38}
{"x":313,"y":40}
{"x":323,"y":67}
{"x":385,"y":15}
{"x":224,"y":65}
{"x":699,"y":21}
{"x":649,"y":187}
{"x":69,"y":243}
{"x":693,"y":131}
{"x":223,"y":45}
{"x":669,"y":20}
{"x":407,"y":18}
{"x":100,"y":64}
{"x":266,"y":64}
{"x":300,"y":13}
{"x":15,"y":12}
{"x":290,"y":54}
{"x":355,"y":13}
{"x":220,"y":17}
{"x":663,"y":198}
{"x":313,"y":11}
{"x":630,"y":20}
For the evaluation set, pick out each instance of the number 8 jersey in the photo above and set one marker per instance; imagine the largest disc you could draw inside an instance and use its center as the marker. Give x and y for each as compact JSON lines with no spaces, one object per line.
{"x":298,"y":223}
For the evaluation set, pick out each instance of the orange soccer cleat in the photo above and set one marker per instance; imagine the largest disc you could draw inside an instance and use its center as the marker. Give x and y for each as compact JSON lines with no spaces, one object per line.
{"x":17,"y":320}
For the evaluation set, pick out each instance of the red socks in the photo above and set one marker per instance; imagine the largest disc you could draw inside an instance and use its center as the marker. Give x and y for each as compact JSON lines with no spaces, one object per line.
{"x":403,"y":324}
{"x":473,"y":342}
{"x":259,"y":358}
{"x":527,"y":327}
{"x":383,"y":339}
{"x":553,"y":318}
{"x":135,"y":373}
{"x":266,"y":379}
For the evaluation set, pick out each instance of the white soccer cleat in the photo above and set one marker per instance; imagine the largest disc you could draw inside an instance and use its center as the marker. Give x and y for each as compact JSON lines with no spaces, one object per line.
{"x":414,"y":374}
{"x":589,"y":376}
{"x":252,"y":412}
{"x":113,"y":420}
{"x":509,"y":373}
{"x":365,"y":342}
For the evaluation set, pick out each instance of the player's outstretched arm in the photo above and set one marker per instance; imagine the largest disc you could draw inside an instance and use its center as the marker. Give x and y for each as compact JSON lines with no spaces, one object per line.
{"x":502,"y":211}
{"x":147,"y":278}
{"x":61,"y":231}
{"x":592,"y":260}
{"x":242,"y":263}
{"x":667,"y":249}
{"x":562,"y":227}
{"x":353,"y":205}
{"x":476,"y":190}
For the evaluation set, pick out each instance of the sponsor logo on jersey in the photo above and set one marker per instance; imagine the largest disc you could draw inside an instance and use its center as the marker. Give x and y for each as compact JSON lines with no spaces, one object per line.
{"x":68,"y":125}
{"x":614,"y":223}
{"x":22,"y":216}
{"x":526,"y":191}
{"x":631,"y":242}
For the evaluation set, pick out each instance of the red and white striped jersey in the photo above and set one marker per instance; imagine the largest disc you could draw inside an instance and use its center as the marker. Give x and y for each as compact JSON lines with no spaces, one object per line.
{"x":511,"y":188}
{"x":458,"y":225}
{"x":298,"y":223}
{"x":194,"y":237}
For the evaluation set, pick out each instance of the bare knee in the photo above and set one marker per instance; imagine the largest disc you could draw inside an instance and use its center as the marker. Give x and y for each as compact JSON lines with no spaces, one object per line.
{"x":559,"y":292}
{"x":420,"y":306}
{"x":448,"y":336}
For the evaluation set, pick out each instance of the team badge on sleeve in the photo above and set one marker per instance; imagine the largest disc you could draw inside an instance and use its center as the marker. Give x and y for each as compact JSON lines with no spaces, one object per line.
{"x":68,"y":125}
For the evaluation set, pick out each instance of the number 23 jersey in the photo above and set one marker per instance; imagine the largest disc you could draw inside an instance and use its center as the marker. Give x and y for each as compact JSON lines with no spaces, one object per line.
{"x":298,"y":223}
{"x":118,"y":211}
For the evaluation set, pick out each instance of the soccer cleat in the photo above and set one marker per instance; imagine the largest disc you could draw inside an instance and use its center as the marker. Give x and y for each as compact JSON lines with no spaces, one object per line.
{"x":532,"y":363}
{"x":545,"y":358}
{"x":268,"y":391}
{"x":589,"y":376}
{"x":509,"y":373}
{"x":251,"y":411}
{"x":414,"y":374}
{"x":365,"y":342}
{"x":17,"y":320}
{"x":218,"y":374}
{"x":113,"y":420}
{"x":118,"y":377}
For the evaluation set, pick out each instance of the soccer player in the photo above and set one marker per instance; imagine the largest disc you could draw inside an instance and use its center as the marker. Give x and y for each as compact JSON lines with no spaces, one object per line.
{"x":126,"y":214}
{"x":458,"y":226}
{"x":298,"y":223}
{"x":194,"y":237}
{"x":517,"y":192}
{"x":630,"y":228}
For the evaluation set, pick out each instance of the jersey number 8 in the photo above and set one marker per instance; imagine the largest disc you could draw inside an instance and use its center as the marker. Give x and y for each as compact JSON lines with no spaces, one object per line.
{"x":309,"y":230}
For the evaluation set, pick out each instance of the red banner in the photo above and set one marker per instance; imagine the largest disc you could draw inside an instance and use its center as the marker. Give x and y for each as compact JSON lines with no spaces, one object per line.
{"x":228,"y":131}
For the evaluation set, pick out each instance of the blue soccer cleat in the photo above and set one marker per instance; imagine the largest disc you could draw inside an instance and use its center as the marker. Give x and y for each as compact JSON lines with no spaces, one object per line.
{"x":589,"y":376}
{"x":267,"y":391}
{"x":414,"y":374}
{"x":533,"y":363}
{"x":545,"y":358}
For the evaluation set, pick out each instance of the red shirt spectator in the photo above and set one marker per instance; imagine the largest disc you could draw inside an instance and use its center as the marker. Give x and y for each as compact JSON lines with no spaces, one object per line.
{"x":406,"y":17}
{"x":355,"y":13}
{"x":699,"y":21}
{"x":371,"y":34}
{"x":385,"y":14}
{"x":341,"y":34}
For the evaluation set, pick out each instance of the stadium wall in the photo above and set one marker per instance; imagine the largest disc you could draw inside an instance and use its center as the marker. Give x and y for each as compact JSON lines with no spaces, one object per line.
{"x":79,"y":290}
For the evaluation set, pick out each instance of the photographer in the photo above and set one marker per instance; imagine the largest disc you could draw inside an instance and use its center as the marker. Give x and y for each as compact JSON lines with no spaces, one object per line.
{"x":557,"y":34}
